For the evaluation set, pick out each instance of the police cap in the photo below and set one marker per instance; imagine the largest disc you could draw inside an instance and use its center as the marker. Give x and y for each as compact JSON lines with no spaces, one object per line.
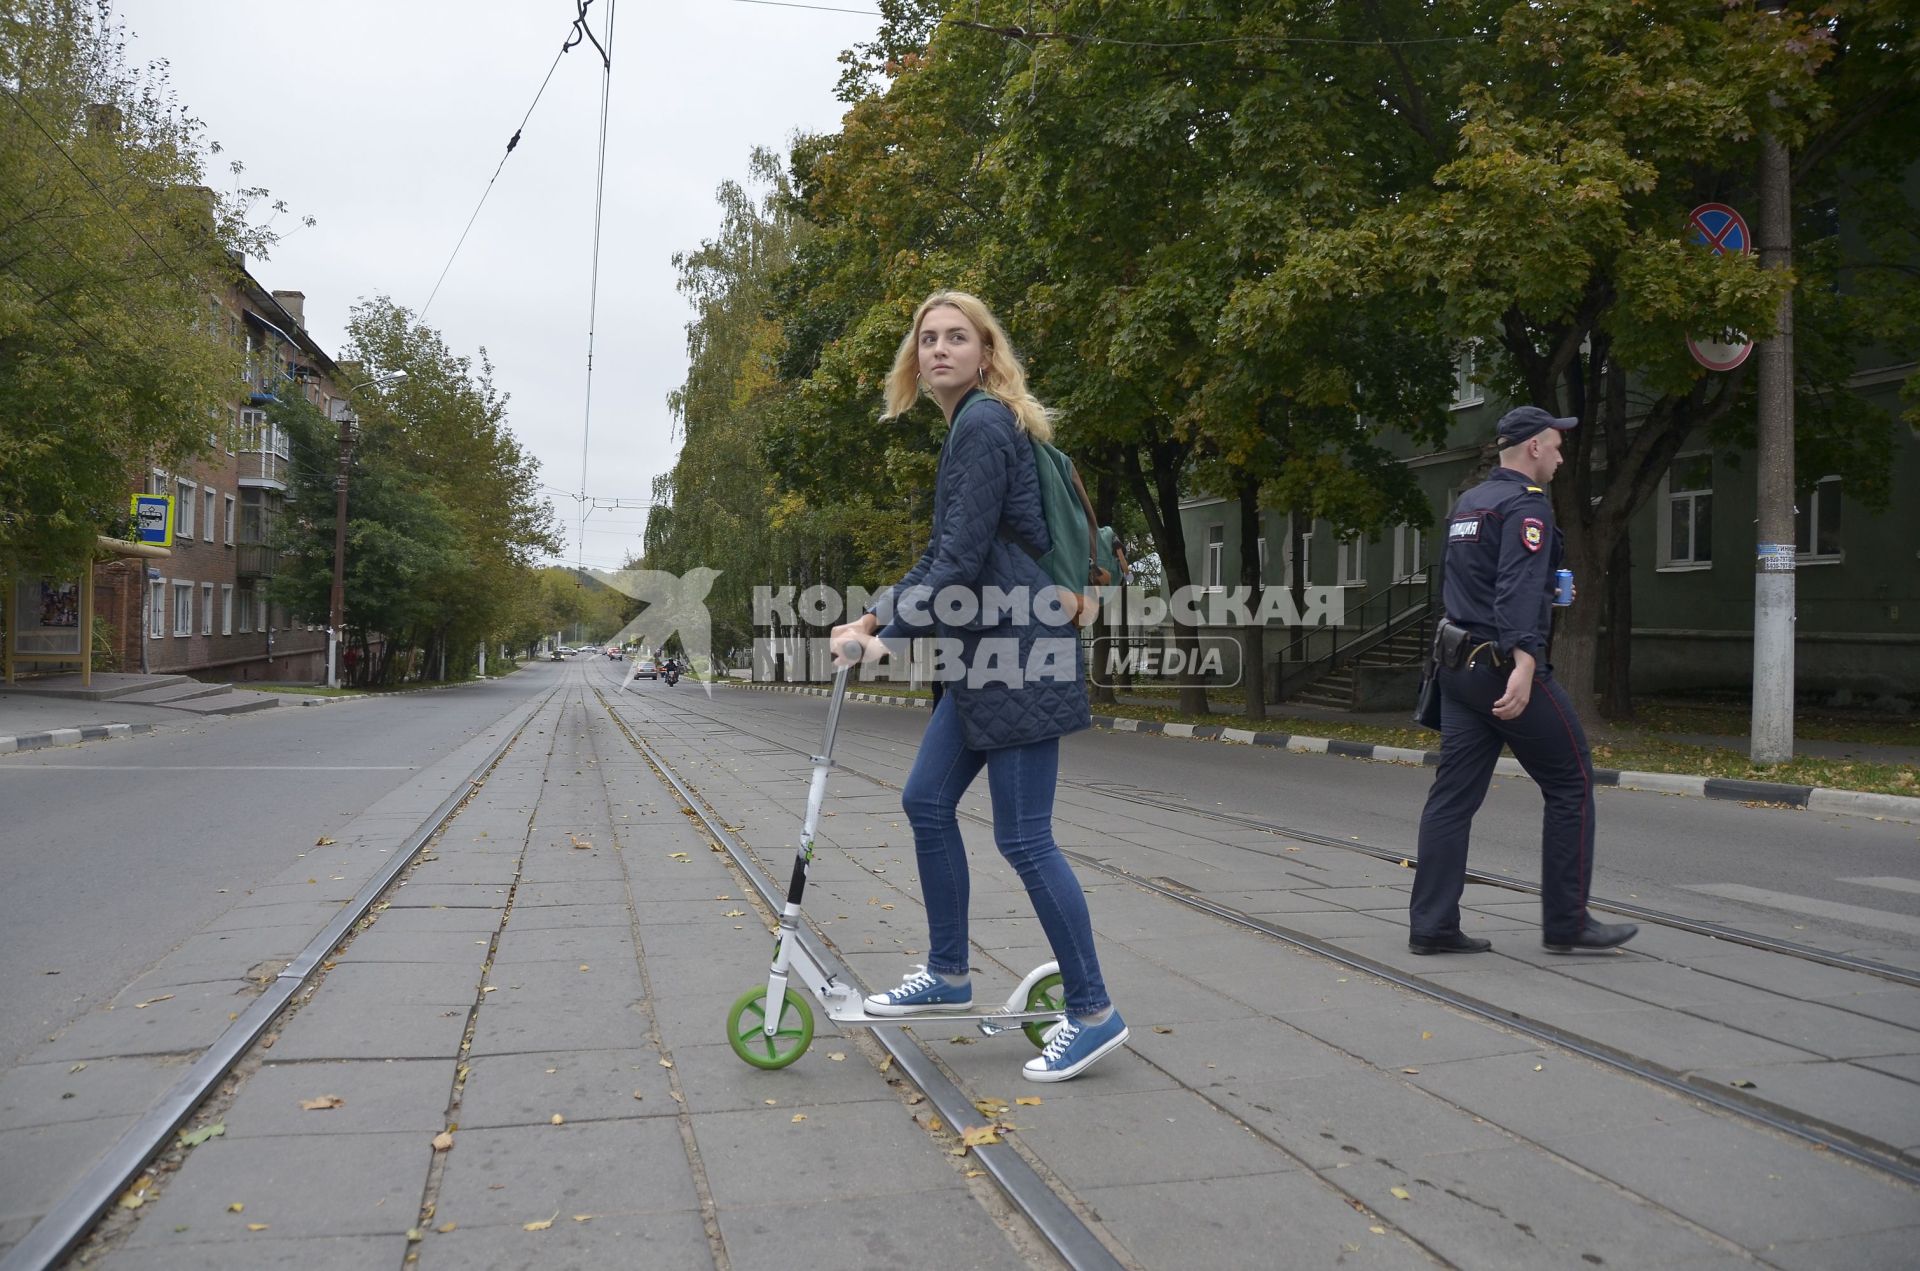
{"x":1523,"y":422}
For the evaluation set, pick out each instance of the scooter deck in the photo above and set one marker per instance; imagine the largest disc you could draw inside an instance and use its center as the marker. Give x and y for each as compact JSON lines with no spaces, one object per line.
{"x":1001,"y":1019}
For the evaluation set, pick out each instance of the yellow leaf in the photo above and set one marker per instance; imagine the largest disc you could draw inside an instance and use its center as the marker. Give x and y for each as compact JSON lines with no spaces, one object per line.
{"x":1411,"y":1072}
{"x":1028,"y":1100}
{"x":583,"y":1217}
{"x":585,"y":967}
{"x":1378,"y":1231}
{"x":798,"y":1117}
{"x":676,"y":856}
{"x":141,"y":1006}
{"x":975,"y":1173}
{"x":638,"y":1095}
{"x":442,"y":1141}
{"x":415,"y":1235}
{"x":980,"y":1135}
{"x":237,"y":1207}
{"x":558,"y":1119}
{"x":1426,"y":1035}
{"x":132,"y":1199}
{"x":1401,"y":1193}
{"x":666,"y":1063}
{"x":837,"y":1056}
{"x":323,"y":841}
{"x":1161,"y":1028}
{"x":322,"y":1103}
{"x":444,"y":1228}
{"x":935,"y":1124}
{"x":539,"y":1226}
{"x":256,"y":1226}
{"x":735,"y":913}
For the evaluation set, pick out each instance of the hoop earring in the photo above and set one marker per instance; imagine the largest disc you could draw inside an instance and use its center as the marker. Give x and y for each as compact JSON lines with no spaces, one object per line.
{"x":982,"y":373}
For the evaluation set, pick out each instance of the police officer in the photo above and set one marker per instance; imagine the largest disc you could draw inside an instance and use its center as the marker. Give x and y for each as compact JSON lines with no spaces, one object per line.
{"x":1496,"y":687}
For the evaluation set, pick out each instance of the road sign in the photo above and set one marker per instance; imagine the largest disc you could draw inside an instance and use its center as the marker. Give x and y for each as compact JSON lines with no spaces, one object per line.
{"x":1722,"y":231}
{"x":153,"y":519}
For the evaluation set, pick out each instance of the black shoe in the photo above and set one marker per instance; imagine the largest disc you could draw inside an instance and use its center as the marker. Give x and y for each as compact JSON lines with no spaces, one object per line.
{"x":1455,"y":943}
{"x":1597,"y":937}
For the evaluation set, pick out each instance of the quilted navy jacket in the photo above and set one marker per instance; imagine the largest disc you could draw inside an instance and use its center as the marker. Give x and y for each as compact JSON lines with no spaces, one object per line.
{"x":1024,"y":681}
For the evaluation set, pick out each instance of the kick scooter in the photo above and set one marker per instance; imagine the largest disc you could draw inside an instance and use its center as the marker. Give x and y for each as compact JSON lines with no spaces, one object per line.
{"x":771,"y":1025}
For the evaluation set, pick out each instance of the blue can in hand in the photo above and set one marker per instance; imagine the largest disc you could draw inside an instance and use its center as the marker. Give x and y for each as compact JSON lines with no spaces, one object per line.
{"x":1563,"y":587}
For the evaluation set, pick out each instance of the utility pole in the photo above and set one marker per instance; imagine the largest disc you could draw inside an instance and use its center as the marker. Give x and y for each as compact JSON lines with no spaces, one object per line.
{"x":1773,"y":579}
{"x":335,"y":610}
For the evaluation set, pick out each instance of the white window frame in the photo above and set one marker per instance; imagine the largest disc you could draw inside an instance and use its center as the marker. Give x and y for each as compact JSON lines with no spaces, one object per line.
{"x":182,"y":608}
{"x":188,"y":496}
{"x":1306,"y":551}
{"x":1409,"y":553}
{"x":206,"y":608}
{"x":1813,"y":556}
{"x":1466,"y":391}
{"x":1670,"y":502}
{"x":226,"y":609}
{"x":230,"y":514}
{"x":260,"y":613}
{"x":243,"y":603}
{"x":1260,"y":545}
{"x":156,"y":609}
{"x":209,"y":510}
{"x":1350,"y":561}
{"x":1213,"y":563}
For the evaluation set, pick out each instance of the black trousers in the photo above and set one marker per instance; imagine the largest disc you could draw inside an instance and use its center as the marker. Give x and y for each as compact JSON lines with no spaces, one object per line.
{"x":1552,"y":747}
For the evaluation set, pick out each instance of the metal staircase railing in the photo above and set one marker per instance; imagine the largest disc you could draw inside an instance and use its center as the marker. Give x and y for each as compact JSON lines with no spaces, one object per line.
{"x":1392,"y":611}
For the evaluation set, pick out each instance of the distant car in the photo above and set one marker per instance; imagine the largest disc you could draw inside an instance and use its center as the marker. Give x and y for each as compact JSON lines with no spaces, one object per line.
{"x":558,"y":655}
{"x":646,"y":669}
{"x":615,"y":653}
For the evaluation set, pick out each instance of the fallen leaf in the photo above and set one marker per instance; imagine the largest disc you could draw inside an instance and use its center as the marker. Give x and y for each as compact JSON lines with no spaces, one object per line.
{"x":666,"y":1063}
{"x":771,"y":1103}
{"x":1539,"y":1067}
{"x":837,"y":1056}
{"x":1426,"y":1035}
{"x":141,"y":1006}
{"x":583,"y":1217}
{"x":1400,"y":1193}
{"x":83,"y":1063}
{"x":798,"y":1117}
{"x":734,"y":913}
{"x":266,"y":1043}
{"x":132,"y":1198}
{"x":539,"y":1226}
{"x":442,"y":1141}
{"x":444,"y":1228}
{"x":976,"y":1173}
{"x":960,"y":1041}
{"x":980,"y":1135}
{"x":1028,"y":1100}
{"x":558,"y":1119}
{"x":490,"y":988}
{"x":580,"y":843}
{"x":415,"y":1235}
{"x":321,"y":1104}
{"x":886,"y":1064}
{"x":194,"y":1138}
{"x":1411,"y":1072}
{"x":323,"y":841}
{"x":1161,"y":1028}
{"x":676,"y":856}
{"x":935,"y":1125}
{"x":638,"y":1095}
{"x":1378,"y":1231}
{"x":1741,"y":1083}
{"x":915,"y":1099}
{"x":256,"y":1226}
{"x":585,"y":967}
{"x":237,"y":1207}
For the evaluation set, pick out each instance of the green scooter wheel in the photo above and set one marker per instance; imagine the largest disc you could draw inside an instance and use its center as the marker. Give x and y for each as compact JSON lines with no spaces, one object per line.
{"x":1047,"y":995}
{"x":747,"y":1029}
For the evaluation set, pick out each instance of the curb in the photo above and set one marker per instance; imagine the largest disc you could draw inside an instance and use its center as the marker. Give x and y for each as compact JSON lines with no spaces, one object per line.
{"x":69,"y":736}
{"x":1893,"y":807}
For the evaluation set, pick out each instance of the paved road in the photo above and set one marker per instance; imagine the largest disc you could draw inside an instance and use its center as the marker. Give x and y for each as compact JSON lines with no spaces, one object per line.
{"x":115,"y":852}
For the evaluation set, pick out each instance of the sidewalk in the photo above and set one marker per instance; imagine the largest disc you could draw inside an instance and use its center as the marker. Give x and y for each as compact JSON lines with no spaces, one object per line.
{"x":550,"y":984}
{"x":27,"y":720}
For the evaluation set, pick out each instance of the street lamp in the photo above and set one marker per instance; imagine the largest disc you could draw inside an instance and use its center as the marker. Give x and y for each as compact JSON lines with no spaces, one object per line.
{"x":349,"y":422}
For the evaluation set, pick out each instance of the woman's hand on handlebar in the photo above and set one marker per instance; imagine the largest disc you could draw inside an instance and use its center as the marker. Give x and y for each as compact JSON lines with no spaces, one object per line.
{"x":855,"y":642}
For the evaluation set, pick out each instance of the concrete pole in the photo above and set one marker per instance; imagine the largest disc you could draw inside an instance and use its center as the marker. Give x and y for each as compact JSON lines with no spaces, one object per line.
{"x":1773,"y":579}
{"x":336,"y":611}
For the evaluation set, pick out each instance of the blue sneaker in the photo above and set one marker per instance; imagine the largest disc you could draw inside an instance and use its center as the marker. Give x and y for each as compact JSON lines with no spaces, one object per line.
{"x":1073,"y":1046}
{"x":922,"y":990}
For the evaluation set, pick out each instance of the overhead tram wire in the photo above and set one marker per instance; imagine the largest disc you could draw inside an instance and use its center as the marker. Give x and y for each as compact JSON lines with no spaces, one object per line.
{"x":593,"y":300}
{"x":578,"y":32}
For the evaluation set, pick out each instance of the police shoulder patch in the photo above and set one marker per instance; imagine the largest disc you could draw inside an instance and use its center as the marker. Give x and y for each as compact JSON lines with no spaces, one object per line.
{"x":1533,"y":533}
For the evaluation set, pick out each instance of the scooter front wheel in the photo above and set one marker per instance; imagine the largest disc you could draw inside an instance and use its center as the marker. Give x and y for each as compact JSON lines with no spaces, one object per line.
{"x":1048,"y":995}
{"x":747,"y":1029}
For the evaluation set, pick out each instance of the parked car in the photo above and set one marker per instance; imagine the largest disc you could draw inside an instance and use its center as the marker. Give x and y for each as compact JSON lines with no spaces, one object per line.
{"x":646,"y":669}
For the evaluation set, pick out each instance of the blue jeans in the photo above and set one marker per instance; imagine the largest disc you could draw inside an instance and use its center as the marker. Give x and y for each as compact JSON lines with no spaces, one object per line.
{"x":1021,"y":781}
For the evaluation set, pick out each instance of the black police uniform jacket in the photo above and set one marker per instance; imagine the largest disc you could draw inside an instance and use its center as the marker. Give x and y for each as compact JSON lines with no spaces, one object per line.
{"x":1503,"y":550}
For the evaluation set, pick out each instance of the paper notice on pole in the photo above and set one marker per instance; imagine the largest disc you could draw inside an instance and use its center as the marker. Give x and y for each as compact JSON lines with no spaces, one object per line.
{"x":1773,"y":558}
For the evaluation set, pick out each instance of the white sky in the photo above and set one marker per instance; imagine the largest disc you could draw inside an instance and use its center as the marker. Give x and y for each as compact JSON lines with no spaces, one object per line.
{"x":384,"y":118}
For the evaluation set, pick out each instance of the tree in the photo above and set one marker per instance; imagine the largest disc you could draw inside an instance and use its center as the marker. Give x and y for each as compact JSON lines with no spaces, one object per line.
{"x":113,"y":353}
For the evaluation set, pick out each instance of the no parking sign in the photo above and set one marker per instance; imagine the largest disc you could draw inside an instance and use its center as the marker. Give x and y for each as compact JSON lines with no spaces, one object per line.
{"x":1722,"y":231}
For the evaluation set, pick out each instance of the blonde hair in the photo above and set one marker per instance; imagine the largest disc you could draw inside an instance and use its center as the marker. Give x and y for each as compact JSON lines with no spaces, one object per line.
{"x":1003,"y":375}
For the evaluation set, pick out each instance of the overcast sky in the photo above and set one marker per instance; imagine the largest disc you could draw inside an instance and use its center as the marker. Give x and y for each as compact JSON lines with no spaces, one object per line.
{"x":384,"y":118}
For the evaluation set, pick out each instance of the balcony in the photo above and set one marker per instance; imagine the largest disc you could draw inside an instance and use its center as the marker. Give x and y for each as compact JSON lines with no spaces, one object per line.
{"x":255,"y":560}
{"x":265,"y":469}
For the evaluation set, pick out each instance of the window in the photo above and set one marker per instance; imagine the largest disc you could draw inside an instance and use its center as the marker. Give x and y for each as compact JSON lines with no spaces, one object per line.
{"x":156,"y":609}
{"x":1465,"y":365}
{"x":1306,"y":557}
{"x":226,"y":608}
{"x":1688,"y":540}
{"x":1816,"y":521}
{"x":1216,"y":552}
{"x":183,"y":504}
{"x":1409,"y":554}
{"x":157,"y":483}
{"x":206,"y":608}
{"x":1261,"y":547}
{"x":182,"y":607}
{"x":1350,"y":564}
{"x":253,"y":515}
{"x":210,"y":522}
{"x":229,"y":520}
{"x":260,"y":613}
{"x":243,"y":602}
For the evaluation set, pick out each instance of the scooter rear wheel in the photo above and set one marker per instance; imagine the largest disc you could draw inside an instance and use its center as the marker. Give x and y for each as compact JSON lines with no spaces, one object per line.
{"x":1048,"y":995}
{"x":747,"y":1029}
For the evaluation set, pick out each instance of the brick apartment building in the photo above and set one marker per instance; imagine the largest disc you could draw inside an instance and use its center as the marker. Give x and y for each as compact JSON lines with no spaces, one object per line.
{"x":204,"y":611}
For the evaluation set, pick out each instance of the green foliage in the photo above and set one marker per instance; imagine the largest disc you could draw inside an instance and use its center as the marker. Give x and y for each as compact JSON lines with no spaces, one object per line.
{"x":113,"y":356}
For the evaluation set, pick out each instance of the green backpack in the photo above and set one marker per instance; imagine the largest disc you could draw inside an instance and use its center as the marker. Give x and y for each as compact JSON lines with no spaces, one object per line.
{"x":1084,"y":553}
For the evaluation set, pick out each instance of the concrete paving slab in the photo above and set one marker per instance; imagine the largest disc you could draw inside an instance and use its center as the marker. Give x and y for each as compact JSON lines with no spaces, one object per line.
{"x":1263,"y":1220}
{"x":1662,"y":983}
{"x":489,"y":897}
{"x":1895,"y":1006}
{"x":1549,"y":1095}
{"x":714,"y":1079}
{"x":1679,"y":1042}
{"x":1875,"y":1105}
{"x":188,"y":1021}
{"x":522,"y":1027}
{"x":1408,"y":1032}
{"x":581,"y":896}
{"x":463,"y":867}
{"x":992,"y":1067}
{"x":840,"y":1152}
{"x":1905,"y":1067}
{"x":597,"y":866}
{"x":260,"y":1251}
{"x":236,"y":949}
{"x":1890,"y":1250}
{"x":377,"y":1095}
{"x":52,"y":1093}
{"x":38,"y":1162}
{"x":719,"y":975}
{"x":1216,"y":1052}
{"x":947,"y":1229}
{"x":427,"y":984}
{"x":1146,"y":1137}
{"x":558,"y":944}
{"x":676,"y":1240}
{"x":1146,"y":994}
{"x":322,"y":1185}
{"x":338,"y":1027}
{"x":1345,"y":1118}
{"x":439,"y":920}
{"x":611,"y":911}
{"x":575,"y":984}
{"x":1813,"y":1027}
{"x":384,"y":944}
{"x":527,"y":1174}
{"x":580,"y":1085}
{"x":309,"y":917}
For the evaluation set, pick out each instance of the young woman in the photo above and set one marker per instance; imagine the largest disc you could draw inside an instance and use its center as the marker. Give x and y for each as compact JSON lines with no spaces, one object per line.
{"x":1016,"y":687}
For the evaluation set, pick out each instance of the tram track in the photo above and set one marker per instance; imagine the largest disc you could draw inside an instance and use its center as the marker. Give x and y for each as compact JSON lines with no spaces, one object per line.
{"x":1822,"y":1135}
